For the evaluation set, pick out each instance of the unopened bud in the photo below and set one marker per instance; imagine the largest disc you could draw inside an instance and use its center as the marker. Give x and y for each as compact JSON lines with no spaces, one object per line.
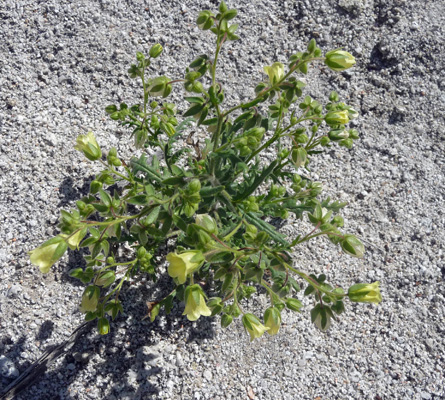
{"x":339,"y":60}
{"x":155,"y":50}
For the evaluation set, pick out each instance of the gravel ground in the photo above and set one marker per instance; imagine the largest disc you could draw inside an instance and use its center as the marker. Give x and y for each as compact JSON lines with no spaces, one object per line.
{"x":62,"y":62}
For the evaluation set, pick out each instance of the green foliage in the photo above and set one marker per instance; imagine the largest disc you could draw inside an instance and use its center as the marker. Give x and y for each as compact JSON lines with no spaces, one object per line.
{"x":215,"y":197}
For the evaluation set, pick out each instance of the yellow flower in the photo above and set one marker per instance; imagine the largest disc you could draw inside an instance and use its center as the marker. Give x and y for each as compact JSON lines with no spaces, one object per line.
{"x":337,"y":117}
{"x":48,"y":253}
{"x":184,"y":264}
{"x":275,"y":72}
{"x":272,"y":320}
{"x":339,"y":60}
{"x":90,"y":298}
{"x":87,"y":144}
{"x":253,"y":326}
{"x":365,"y":293}
{"x":75,"y":239}
{"x":195,"y":304}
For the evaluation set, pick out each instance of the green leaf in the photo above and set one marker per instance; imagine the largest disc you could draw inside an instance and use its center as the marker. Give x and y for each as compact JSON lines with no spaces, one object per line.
{"x":101,"y":208}
{"x":210,"y":191}
{"x":257,"y":182}
{"x":139,"y":200}
{"x":266,"y":227}
{"x":193,"y":110}
{"x":179,"y":222}
{"x":153,"y":216}
{"x":174,"y":180}
{"x":141,"y":165}
{"x":222,"y":257}
{"x":105,"y":197}
{"x":196,"y":100}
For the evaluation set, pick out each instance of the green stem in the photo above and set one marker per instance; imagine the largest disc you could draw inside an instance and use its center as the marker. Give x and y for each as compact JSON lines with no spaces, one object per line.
{"x":230,"y":234}
{"x":115,"y":172}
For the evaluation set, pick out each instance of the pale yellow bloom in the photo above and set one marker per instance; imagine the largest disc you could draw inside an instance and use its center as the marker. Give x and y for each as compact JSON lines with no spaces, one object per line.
{"x":195,"y":304}
{"x":181,"y":265}
{"x":253,"y":325}
{"x":88,"y":145}
{"x":48,"y":253}
{"x":365,"y":293}
{"x":275,"y":72}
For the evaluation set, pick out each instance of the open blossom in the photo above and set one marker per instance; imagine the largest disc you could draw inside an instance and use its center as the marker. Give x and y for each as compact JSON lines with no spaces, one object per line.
{"x":195,"y":304}
{"x":365,"y":293}
{"x":87,"y":144}
{"x":272,"y":320}
{"x":90,"y":298}
{"x":275,"y":72}
{"x":253,"y":325}
{"x":181,"y":265}
{"x":48,"y":253}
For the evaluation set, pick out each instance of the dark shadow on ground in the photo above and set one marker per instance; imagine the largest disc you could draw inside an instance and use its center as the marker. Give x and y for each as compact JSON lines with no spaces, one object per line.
{"x":124,"y":357}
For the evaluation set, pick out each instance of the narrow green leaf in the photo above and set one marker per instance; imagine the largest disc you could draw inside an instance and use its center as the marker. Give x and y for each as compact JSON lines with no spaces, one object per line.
{"x":257,"y":182}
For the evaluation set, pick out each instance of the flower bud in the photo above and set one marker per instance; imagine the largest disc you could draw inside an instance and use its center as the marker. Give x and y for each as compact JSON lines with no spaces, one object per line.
{"x":95,"y":186}
{"x":159,"y":86}
{"x":339,"y":60}
{"x":337,"y":117}
{"x":194,"y":186}
{"x":352,"y":246}
{"x":226,"y":320}
{"x":155,"y":50}
{"x":294,"y":304}
{"x":365,"y":293}
{"x":253,"y":326}
{"x":275,"y":72}
{"x":90,"y":298}
{"x":283,"y":153}
{"x":195,"y":304}
{"x":338,"y":134}
{"x":103,"y":326}
{"x":272,"y":320}
{"x":324,"y":141}
{"x":353,"y":134}
{"x":299,"y":156}
{"x":48,"y":253}
{"x":348,"y":143}
{"x":87,"y":144}
{"x":303,"y":138}
{"x":181,"y":265}
{"x":207,"y":222}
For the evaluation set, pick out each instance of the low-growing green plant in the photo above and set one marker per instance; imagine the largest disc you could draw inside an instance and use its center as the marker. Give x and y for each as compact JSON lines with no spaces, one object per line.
{"x":213,"y":197}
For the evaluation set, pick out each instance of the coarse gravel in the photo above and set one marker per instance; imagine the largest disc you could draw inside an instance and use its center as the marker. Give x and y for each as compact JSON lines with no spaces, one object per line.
{"x":62,"y":62}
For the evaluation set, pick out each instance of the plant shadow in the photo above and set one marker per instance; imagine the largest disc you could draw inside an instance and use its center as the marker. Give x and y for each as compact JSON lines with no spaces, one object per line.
{"x":126,"y":361}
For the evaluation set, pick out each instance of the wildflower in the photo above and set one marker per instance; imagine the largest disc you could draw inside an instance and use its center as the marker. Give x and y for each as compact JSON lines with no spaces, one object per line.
{"x":365,"y":293}
{"x":48,"y":253}
{"x":184,"y":264}
{"x":272,"y":320}
{"x":339,"y":60}
{"x":195,"y":304}
{"x":275,"y":72}
{"x":87,"y":144}
{"x":253,"y":326}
